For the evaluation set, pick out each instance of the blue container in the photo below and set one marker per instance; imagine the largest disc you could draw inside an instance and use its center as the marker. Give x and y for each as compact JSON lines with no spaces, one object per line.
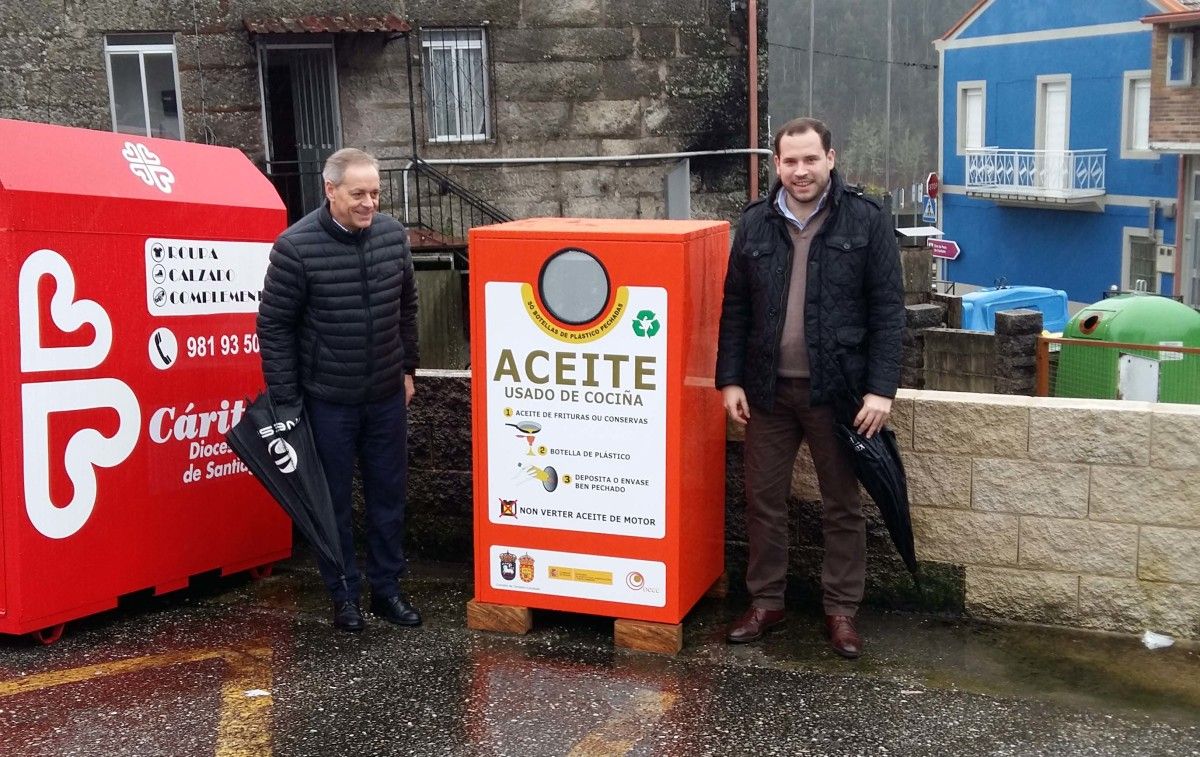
{"x":979,"y":308}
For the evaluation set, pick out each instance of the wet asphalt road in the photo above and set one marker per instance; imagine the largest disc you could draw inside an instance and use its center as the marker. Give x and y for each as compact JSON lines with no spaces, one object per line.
{"x":234,"y":667}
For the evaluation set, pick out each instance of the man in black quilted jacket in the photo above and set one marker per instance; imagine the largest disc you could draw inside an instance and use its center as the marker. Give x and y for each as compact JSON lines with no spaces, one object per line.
{"x":338,"y":331}
{"x":813,"y":310}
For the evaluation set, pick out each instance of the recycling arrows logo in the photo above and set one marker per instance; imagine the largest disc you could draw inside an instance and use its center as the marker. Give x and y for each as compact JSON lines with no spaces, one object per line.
{"x":646,"y":324}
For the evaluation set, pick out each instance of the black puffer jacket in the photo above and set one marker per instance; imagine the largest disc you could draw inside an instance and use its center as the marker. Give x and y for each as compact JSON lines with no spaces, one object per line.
{"x":854,"y":300}
{"x":338,"y":318}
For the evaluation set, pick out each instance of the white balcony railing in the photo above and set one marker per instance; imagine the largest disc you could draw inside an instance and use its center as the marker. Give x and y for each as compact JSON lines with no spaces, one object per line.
{"x":1040,"y":176}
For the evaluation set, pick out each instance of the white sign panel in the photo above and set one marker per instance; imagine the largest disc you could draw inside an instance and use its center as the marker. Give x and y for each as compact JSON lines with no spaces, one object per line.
{"x":1170,"y":354}
{"x":576,"y":419}
{"x":197,"y":277}
{"x":1137,"y":378}
{"x":567,"y":574}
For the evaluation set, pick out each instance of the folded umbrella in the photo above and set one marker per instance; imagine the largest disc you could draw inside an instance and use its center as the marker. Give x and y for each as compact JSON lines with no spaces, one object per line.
{"x":276,"y":444}
{"x":879,"y":468}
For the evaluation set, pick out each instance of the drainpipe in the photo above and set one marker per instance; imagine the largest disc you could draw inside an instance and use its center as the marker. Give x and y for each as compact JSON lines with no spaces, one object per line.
{"x":812,"y":41}
{"x":412,"y":124}
{"x":1180,"y":229}
{"x":887,"y":129}
{"x":752,"y":14}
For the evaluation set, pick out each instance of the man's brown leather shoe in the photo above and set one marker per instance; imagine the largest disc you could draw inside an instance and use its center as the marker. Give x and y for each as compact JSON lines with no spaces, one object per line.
{"x":842,"y":636}
{"x":753,"y":624}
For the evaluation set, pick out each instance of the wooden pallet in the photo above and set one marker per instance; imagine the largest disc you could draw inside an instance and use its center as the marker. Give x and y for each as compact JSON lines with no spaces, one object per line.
{"x":644,"y":636}
{"x":485,"y":616}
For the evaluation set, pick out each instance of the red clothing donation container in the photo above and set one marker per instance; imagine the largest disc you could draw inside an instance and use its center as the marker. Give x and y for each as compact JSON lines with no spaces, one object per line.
{"x":130,"y":274}
{"x":599,"y":440}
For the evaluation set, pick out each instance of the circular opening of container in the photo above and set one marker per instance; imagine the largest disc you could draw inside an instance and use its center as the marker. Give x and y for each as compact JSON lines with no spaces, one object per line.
{"x":1089,"y":324}
{"x":574,"y":286}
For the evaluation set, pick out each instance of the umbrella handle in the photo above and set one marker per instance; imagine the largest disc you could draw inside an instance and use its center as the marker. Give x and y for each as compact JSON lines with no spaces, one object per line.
{"x":274,"y":412}
{"x":275,"y":422}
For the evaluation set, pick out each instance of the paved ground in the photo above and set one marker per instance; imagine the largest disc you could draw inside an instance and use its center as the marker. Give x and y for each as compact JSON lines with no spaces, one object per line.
{"x":233,"y":667}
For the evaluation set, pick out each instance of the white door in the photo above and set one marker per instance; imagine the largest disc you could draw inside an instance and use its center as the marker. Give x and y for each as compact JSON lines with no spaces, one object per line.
{"x":1053,"y":137}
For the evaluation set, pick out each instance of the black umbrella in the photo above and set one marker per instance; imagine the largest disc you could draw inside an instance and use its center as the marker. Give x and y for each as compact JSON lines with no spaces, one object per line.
{"x":880,"y":470}
{"x":276,"y":444}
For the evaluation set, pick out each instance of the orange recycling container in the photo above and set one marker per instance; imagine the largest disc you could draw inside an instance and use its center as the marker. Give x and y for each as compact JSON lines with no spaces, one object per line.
{"x":598,"y":438}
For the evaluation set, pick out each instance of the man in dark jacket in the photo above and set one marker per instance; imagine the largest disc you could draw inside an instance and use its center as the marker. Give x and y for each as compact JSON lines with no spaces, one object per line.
{"x":813,"y":310}
{"x":338,"y":331}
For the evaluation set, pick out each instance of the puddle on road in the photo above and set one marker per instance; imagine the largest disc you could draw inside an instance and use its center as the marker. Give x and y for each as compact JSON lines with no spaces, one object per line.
{"x":1110,"y":672}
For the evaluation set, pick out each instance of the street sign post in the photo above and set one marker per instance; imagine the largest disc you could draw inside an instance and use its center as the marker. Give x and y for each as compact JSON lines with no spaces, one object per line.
{"x":945,"y":249}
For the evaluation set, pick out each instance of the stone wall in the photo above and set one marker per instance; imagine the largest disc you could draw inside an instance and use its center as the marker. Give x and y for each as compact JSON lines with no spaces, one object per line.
{"x":440,"y":502}
{"x":568,"y":78}
{"x":950,"y":359}
{"x":616,"y":78}
{"x":916,"y":266}
{"x":1072,"y":512}
{"x":918,"y":318}
{"x":1080,"y":513}
{"x":1015,"y":365}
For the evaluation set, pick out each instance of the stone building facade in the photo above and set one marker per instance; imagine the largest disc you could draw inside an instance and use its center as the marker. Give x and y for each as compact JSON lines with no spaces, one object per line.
{"x":548,"y":78}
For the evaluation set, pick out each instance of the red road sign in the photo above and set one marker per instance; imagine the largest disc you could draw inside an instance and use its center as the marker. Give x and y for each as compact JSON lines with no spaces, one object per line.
{"x":931,"y":185}
{"x":944,"y":248}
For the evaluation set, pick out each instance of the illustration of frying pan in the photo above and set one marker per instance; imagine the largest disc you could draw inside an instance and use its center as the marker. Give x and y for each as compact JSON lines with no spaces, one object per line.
{"x":526,"y":427}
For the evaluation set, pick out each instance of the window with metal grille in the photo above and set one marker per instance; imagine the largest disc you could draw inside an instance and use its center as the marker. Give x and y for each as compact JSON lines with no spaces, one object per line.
{"x":455,"y":65}
{"x":1143,"y":259}
{"x":143,"y":84}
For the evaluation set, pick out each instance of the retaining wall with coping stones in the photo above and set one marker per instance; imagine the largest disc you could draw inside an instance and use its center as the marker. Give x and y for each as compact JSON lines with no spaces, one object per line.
{"x":1081,"y":513}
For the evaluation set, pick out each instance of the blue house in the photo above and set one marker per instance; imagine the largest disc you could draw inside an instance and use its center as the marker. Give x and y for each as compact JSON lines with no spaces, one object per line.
{"x":1048,"y":176}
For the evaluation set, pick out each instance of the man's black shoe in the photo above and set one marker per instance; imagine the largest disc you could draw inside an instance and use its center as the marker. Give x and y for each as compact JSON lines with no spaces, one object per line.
{"x":347,"y":616}
{"x":396,"y":609}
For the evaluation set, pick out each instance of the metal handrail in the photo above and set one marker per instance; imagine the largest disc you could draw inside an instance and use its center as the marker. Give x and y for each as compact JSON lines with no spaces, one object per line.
{"x":416,"y":193}
{"x":447,"y":185}
{"x":631,"y":158}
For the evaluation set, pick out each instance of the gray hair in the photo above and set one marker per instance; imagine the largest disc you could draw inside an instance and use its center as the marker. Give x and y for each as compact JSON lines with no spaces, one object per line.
{"x":336,"y":165}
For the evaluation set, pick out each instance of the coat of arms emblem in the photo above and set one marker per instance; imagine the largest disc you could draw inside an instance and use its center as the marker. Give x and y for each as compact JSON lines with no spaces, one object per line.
{"x":508,"y":566}
{"x":526,"y":568}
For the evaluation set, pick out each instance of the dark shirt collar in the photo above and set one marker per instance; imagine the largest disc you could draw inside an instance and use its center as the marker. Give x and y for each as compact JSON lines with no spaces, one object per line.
{"x":336,"y":230}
